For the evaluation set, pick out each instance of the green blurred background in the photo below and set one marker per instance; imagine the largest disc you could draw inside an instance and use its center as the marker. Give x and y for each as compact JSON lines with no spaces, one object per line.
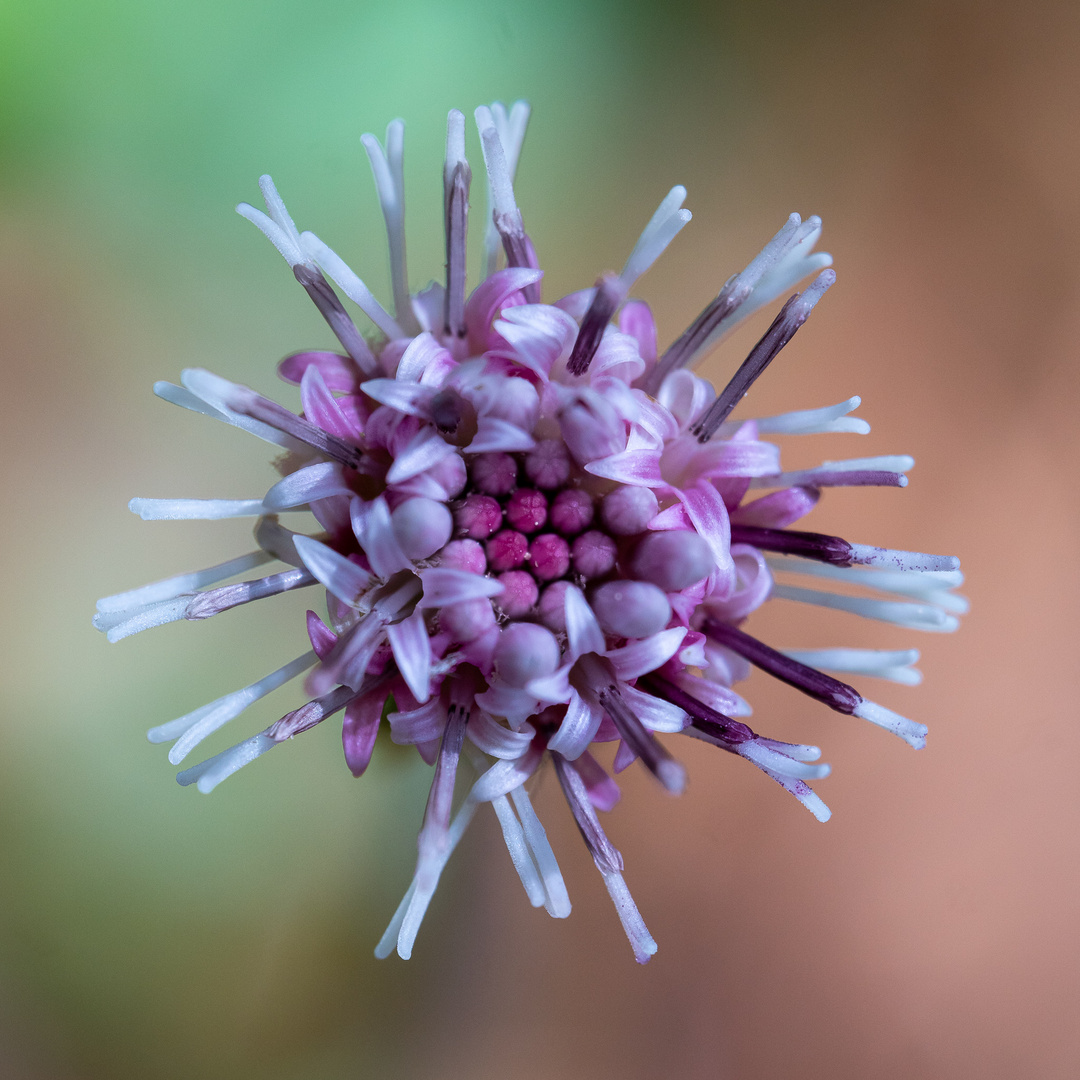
{"x":927,"y":931}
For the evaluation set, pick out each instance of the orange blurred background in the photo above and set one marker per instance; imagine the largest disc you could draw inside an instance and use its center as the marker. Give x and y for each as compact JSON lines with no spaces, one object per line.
{"x":928,"y":930}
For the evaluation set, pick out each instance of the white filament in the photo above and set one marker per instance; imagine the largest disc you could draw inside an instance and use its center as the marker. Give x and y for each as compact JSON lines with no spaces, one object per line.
{"x":190,"y":730}
{"x":831,"y":419}
{"x":208,"y":774}
{"x":351,"y":285}
{"x":894,"y":665}
{"x":913,"y":616}
{"x":169,"y":588}
{"x":662,"y":228}
{"x":514,"y":836}
{"x":195,"y":509}
{"x":558,"y":900}
{"x":511,"y":131}
{"x":187,"y":399}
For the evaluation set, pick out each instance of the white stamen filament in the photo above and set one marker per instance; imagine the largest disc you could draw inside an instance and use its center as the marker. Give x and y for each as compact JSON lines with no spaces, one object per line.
{"x":913,"y":733}
{"x":119,"y":625}
{"x":830,"y":419}
{"x":514,"y":836}
{"x":350,"y":284}
{"x":557,"y":903}
{"x":913,"y":616}
{"x":187,"y":399}
{"x":192,"y":729}
{"x":195,"y":509}
{"x":663,"y":227}
{"x":511,"y":129}
{"x":172,"y":587}
{"x":894,"y":665}
{"x":928,"y":586}
{"x":387,"y":166}
{"x":500,"y":177}
{"x":208,"y":774}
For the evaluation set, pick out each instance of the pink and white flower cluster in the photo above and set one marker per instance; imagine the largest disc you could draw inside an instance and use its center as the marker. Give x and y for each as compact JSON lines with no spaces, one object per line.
{"x":536,"y":533}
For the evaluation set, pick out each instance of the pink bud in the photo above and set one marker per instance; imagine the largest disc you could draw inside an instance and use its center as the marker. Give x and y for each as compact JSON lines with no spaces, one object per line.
{"x":479,"y":516}
{"x":526,"y":510}
{"x":593,"y":554}
{"x":525,"y":651}
{"x":552,"y":605}
{"x":571,"y":512}
{"x":421,"y":526}
{"x":550,"y":556}
{"x":631,"y":609}
{"x":463,"y":555}
{"x":519,"y":593}
{"x":548,"y":464}
{"x":627,"y":510}
{"x":467,"y":620}
{"x":506,"y":550}
{"x":673,"y":560}
{"x":494,"y":474}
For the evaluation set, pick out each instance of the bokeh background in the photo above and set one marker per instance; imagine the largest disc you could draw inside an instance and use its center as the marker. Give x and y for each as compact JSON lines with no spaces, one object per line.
{"x":929,"y":930}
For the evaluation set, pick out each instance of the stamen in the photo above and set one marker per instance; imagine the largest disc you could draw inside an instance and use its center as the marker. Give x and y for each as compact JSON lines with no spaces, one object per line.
{"x":514,"y":838}
{"x":557,"y":901}
{"x":208,"y":774}
{"x":180,"y":395}
{"x":914,"y":616}
{"x":190,"y":730}
{"x":247,"y":402}
{"x":216,"y":601}
{"x":612,"y":290}
{"x":505,"y":212}
{"x":456,"y":179}
{"x":885,"y":471}
{"x":388,"y":169}
{"x":838,"y":552}
{"x":604,"y":686}
{"x":195,"y":509}
{"x":831,"y":419}
{"x":182,"y":583}
{"x":815,"y":684}
{"x":511,"y":128}
{"x":353,"y":287}
{"x":702,"y":331}
{"x":434,"y":839}
{"x":895,"y":665}
{"x":793,"y":314}
{"x":314,"y":712}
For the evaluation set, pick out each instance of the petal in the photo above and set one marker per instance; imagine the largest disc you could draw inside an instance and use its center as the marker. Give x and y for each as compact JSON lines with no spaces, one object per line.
{"x":359,"y":729}
{"x":648,"y":654}
{"x":577,"y":728}
{"x":347,"y":581}
{"x":443,"y":586}
{"x":582,"y":630}
{"x":412,"y":653}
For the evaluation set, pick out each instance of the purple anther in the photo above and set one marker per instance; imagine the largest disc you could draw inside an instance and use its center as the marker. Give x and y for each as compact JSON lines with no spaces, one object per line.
{"x":494,"y":474}
{"x":547,"y":464}
{"x":525,"y":651}
{"x":478,"y":517}
{"x":456,"y":198}
{"x":506,"y":550}
{"x":604,"y":853}
{"x":673,"y":560}
{"x":571,"y":511}
{"x":610,"y":293}
{"x":215,"y":601}
{"x":421,"y":526}
{"x":519,"y":593}
{"x":720,"y":729}
{"x":447,"y":409}
{"x":314,"y":712}
{"x":810,"y":681}
{"x":809,"y":545}
{"x":527,"y":510}
{"x":337,"y":318}
{"x":792,"y":315}
{"x":593,"y":554}
{"x":626,"y":511}
{"x":468,"y":620}
{"x":552,"y":606}
{"x":550,"y":556}
{"x":631,"y":609}
{"x":465,"y":555}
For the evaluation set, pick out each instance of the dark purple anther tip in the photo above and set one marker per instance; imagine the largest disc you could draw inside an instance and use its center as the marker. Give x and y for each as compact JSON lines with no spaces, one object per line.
{"x":808,"y":545}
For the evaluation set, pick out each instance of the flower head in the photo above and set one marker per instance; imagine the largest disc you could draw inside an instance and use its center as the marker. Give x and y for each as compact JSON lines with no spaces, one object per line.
{"x":536,"y":533}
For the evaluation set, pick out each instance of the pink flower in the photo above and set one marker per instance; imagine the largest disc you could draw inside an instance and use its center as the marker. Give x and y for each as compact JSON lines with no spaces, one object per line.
{"x":536,"y":532}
